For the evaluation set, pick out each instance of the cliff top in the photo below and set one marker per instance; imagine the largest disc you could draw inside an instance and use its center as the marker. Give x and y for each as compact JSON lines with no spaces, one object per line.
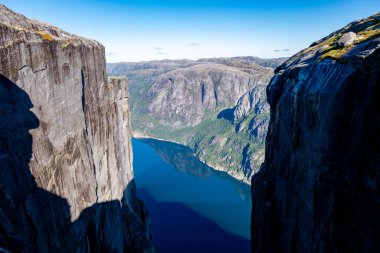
{"x":214,"y":68}
{"x":353,"y":42}
{"x":34,"y":30}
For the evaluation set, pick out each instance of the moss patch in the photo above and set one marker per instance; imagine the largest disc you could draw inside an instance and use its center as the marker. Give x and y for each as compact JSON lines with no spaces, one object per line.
{"x":45,"y":36}
{"x":327,"y":42}
{"x":18,"y":28}
{"x":367,"y":35}
{"x":336,"y":53}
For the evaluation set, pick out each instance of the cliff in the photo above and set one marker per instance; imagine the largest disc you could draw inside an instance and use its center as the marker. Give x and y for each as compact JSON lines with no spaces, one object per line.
{"x":184,"y":96}
{"x":65,"y":151}
{"x":318,"y":189}
{"x":216,"y":106}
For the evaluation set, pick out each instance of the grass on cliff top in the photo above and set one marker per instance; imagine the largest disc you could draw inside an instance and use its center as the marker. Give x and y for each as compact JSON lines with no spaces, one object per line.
{"x":45,"y":36}
{"x":337,"y":53}
{"x":18,"y":28}
{"x":367,"y":35}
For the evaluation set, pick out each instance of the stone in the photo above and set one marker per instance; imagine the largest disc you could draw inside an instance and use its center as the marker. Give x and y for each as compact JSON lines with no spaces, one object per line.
{"x":346,"y":39}
{"x":318,"y":188}
{"x":65,"y":146}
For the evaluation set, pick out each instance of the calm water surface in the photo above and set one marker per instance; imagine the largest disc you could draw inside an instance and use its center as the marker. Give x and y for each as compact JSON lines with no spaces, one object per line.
{"x":193,"y":208}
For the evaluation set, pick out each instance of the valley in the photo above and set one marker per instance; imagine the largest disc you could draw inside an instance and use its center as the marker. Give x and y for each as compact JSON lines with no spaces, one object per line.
{"x":231,"y":154}
{"x":216,"y":106}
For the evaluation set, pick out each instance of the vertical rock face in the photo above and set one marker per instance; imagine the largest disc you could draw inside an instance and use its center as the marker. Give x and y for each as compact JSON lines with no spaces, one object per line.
{"x":318,"y":189}
{"x":66,"y":173}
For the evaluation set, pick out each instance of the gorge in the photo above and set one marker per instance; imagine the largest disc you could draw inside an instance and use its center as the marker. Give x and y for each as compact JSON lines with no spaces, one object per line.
{"x":215,"y":106}
{"x":172,"y":158}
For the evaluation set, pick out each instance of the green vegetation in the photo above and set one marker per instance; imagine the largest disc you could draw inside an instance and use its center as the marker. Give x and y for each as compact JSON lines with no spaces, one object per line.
{"x":336,"y":53}
{"x":213,"y":140}
{"x":367,"y":35}
{"x":70,"y":41}
{"x":18,"y":28}
{"x":222,"y":144}
{"x":327,"y":42}
{"x":368,"y":31}
{"x":45,"y":36}
{"x":139,"y":81}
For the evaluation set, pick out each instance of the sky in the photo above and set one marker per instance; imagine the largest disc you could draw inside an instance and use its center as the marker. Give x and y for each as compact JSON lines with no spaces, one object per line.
{"x":140,"y":30}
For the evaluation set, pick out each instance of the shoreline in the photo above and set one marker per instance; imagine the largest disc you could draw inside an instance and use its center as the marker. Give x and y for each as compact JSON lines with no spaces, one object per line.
{"x":218,"y":168}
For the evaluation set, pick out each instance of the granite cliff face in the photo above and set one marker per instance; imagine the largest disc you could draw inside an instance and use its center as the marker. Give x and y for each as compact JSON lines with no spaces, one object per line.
{"x":216,"y":106}
{"x":184,"y":96}
{"x":66,"y":173}
{"x":318,"y":189}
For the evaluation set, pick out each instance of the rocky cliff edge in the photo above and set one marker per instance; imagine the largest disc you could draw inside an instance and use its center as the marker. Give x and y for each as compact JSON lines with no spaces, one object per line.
{"x":318,"y":189}
{"x":66,"y":174}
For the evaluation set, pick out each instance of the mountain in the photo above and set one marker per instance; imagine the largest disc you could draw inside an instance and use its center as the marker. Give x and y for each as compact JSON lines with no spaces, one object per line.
{"x":318,"y":189}
{"x":66,"y":175}
{"x":217,"y":107}
{"x":271,"y":63}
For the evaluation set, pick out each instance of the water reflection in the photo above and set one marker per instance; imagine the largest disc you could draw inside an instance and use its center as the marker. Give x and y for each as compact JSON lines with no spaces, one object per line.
{"x":183,"y":160}
{"x":170,"y":173}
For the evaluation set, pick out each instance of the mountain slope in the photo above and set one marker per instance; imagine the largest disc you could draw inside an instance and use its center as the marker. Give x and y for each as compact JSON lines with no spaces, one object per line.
{"x":318,"y":189}
{"x":217,"y":107}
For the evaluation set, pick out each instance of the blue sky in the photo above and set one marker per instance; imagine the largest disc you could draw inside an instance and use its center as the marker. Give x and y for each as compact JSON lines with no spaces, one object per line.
{"x":135,"y":30}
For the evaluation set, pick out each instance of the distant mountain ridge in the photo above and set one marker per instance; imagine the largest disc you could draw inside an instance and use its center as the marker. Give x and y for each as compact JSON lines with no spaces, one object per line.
{"x":119,"y":68}
{"x":215,"y":106}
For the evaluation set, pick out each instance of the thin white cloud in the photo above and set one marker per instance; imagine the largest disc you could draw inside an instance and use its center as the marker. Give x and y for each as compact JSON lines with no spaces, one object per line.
{"x":158,"y":48}
{"x":282,"y":50}
{"x":193,"y":45}
{"x":111,"y":54}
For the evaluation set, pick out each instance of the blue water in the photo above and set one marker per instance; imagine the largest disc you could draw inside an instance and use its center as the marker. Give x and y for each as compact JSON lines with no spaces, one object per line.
{"x":193,"y":208}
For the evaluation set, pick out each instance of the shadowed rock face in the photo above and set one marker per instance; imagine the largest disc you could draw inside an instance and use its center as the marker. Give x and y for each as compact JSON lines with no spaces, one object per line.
{"x":318,"y":189}
{"x":65,"y":152}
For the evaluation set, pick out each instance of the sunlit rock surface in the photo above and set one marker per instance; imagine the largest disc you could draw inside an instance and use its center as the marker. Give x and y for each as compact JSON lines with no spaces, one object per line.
{"x":66,"y":173}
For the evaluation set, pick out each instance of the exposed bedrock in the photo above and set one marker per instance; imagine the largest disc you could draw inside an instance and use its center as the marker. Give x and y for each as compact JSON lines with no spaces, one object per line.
{"x":66,"y":173}
{"x":318,"y":189}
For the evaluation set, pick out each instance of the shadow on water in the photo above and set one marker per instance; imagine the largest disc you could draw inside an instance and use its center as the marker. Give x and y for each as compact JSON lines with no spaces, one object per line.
{"x":35,"y":220}
{"x":169,"y":174}
{"x":183,"y":160}
{"x":173,"y":233}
